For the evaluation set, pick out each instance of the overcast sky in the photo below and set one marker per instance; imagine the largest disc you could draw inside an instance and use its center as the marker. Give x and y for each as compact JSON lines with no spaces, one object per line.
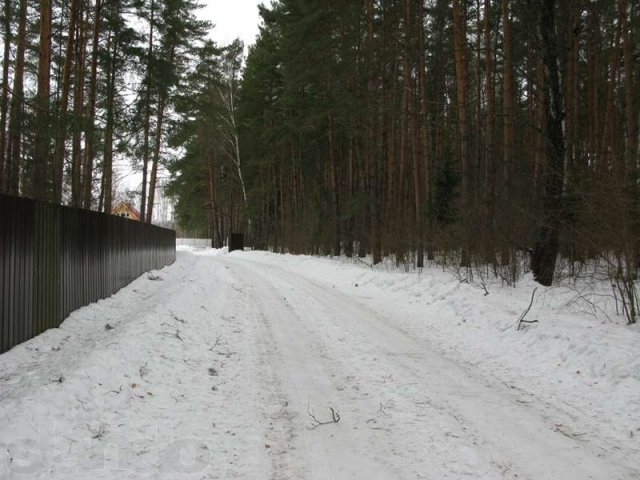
{"x":233,"y":19}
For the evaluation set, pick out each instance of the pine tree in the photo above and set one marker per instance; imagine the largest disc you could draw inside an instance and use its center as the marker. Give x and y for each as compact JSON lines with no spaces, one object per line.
{"x":545,"y":252}
{"x":90,"y":151}
{"x":180,"y":32}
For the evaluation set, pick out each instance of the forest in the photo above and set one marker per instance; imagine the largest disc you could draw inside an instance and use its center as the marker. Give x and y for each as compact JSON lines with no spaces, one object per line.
{"x":89,"y":82}
{"x":494,"y":136}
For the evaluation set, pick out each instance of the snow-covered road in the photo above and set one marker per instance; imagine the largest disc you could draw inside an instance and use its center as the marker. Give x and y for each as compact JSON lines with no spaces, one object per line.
{"x":221,"y":367}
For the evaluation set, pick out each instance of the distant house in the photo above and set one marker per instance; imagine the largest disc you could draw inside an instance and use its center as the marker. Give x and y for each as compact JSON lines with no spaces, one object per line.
{"x":124,"y":209}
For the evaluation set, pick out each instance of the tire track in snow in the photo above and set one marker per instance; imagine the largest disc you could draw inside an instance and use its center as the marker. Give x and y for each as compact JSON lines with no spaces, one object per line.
{"x":411,"y":450}
{"x":300,"y":375}
{"x":277,"y":416}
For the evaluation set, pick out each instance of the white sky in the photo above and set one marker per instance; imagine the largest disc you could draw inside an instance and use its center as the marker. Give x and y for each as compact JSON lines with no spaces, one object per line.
{"x":233,"y":19}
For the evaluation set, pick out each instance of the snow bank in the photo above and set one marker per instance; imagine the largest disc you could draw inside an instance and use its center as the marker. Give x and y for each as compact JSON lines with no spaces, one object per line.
{"x":142,"y":385}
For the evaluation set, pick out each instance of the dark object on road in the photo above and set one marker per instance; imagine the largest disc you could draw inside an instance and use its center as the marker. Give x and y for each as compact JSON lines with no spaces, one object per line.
{"x":236,"y":242}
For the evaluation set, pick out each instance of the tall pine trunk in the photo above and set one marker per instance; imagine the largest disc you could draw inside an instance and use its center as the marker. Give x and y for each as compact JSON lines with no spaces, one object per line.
{"x":509,"y":119}
{"x":4,"y":101}
{"x":334,"y":186}
{"x":147,"y":118}
{"x":107,"y":168}
{"x":423,"y":198}
{"x":14,"y":153}
{"x":489,"y":140}
{"x":62,"y":120}
{"x":78,"y":107}
{"x":631,"y":91}
{"x":545,"y":251}
{"x":89,"y":154}
{"x":41,"y":172}
{"x":631,"y":120}
{"x":462,"y":102}
{"x":373,"y":156}
{"x":156,"y":155}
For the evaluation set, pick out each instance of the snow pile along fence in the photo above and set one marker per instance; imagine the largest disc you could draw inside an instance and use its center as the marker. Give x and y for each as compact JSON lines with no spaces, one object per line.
{"x":193,"y":242}
{"x":55,"y":259}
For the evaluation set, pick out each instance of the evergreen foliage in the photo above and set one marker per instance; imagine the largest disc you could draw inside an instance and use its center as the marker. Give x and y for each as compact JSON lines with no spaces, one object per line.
{"x":482,"y":131}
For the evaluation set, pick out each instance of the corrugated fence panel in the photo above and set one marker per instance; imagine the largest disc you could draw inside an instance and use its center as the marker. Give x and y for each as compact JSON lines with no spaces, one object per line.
{"x":54,"y":260}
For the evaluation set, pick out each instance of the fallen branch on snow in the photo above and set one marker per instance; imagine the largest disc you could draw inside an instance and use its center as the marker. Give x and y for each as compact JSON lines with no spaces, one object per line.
{"x":335,"y":418}
{"x":216,"y":343}
{"x":522,"y":320}
{"x":99,"y":431}
{"x":573,"y":436}
{"x":174,"y":335}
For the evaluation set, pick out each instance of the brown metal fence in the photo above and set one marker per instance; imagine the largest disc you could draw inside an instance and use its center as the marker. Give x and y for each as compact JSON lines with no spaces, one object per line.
{"x":56,"y":259}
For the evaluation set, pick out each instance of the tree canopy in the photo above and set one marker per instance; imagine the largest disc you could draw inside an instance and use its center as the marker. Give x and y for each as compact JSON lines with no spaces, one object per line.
{"x":473,"y":132}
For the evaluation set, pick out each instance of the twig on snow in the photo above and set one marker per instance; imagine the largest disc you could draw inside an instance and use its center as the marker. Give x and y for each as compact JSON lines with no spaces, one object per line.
{"x":227,"y":354}
{"x":216,"y":343}
{"x":119,"y":390}
{"x":99,"y":431}
{"x":355,"y":257}
{"x":174,"y":335}
{"x":383,"y":408}
{"x":59,"y":379}
{"x":335,"y":418}
{"x":573,"y":436}
{"x":522,"y":320}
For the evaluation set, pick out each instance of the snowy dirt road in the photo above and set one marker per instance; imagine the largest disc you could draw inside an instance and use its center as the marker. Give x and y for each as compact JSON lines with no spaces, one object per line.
{"x":224,"y":367}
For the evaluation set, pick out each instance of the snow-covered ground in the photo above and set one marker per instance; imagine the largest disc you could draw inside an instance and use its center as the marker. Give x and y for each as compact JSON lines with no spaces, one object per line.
{"x":228,"y":366}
